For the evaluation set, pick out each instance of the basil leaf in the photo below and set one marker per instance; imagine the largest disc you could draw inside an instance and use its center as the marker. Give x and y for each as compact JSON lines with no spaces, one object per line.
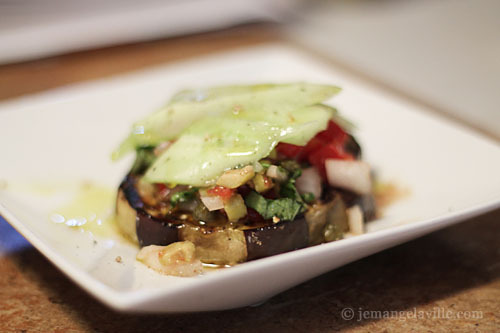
{"x":288,"y":189}
{"x":283,"y":208}
{"x":257,"y":202}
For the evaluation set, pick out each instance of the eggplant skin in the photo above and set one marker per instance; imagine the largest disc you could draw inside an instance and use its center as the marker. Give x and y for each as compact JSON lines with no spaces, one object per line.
{"x":368,"y":206}
{"x":278,"y":238}
{"x":352,"y":147}
{"x":136,"y":224}
{"x":366,"y":202}
{"x":152,"y":231}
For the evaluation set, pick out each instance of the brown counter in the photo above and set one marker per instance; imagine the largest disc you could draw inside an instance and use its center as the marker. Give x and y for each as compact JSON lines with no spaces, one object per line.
{"x":446,"y":281}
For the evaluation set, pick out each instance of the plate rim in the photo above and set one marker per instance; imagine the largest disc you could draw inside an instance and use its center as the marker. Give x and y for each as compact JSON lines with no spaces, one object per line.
{"x":128,"y":300}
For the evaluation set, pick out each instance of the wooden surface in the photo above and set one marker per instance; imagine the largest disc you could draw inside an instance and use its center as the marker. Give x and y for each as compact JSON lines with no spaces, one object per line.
{"x":440,"y":278}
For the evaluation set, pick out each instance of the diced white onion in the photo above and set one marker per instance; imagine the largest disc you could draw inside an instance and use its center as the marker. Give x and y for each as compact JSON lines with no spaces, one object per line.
{"x":212,"y":202}
{"x":257,"y":167}
{"x":309,"y":182}
{"x":355,"y":220}
{"x":274,"y":172}
{"x":349,"y":175}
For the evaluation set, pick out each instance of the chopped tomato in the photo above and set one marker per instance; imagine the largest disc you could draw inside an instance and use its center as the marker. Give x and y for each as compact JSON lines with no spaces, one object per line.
{"x":161,"y":187}
{"x":288,"y":149}
{"x":221,"y":191}
{"x":313,"y":145}
{"x":163,"y":190}
{"x":324,"y":145}
{"x":332,"y":133}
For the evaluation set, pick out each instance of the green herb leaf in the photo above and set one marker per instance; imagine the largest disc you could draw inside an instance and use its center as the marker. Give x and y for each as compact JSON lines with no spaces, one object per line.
{"x":183,"y":196}
{"x":296,"y":174}
{"x":257,"y":202}
{"x":288,"y":190}
{"x":284,"y":208}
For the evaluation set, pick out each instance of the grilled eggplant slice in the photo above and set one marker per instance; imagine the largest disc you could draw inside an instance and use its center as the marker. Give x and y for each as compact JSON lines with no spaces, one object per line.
{"x":277,"y":238}
{"x":136,"y":224}
{"x":223,"y":245}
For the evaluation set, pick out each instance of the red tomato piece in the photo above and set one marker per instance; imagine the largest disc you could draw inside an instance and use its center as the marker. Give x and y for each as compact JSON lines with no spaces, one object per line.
{"x":163,"y":190}
{"x":327,"y":144}
{"x":221,"y":191}
{"x":314,"y":144}
{"x":289,"y":150}
{"x":333,"y":133}
{"x":161,"y":187}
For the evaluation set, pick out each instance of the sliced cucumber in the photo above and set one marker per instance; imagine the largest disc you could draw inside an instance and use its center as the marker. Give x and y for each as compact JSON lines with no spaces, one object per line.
{"x":212,"y":145}
{"x":271,"y":100}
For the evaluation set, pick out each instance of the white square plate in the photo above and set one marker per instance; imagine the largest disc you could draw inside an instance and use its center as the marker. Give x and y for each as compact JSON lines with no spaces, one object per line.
{"x":65,"y":137}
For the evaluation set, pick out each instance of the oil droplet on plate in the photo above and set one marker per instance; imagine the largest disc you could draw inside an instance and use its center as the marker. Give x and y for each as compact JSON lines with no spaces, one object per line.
{"x":91,"y":209}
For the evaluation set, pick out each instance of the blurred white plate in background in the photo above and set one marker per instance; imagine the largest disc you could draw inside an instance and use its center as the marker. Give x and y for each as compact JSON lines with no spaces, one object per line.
{"x":32,"y":29}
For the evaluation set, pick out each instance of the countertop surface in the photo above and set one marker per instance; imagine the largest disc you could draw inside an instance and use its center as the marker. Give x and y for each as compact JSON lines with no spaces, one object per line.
{"x":446,"y":281}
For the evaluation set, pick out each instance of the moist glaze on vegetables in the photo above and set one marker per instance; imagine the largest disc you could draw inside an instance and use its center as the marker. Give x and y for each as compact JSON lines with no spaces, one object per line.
{"x":278,"y":173}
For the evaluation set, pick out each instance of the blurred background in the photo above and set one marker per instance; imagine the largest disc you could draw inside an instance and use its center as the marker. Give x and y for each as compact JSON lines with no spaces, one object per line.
{"x":445,"y":54}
